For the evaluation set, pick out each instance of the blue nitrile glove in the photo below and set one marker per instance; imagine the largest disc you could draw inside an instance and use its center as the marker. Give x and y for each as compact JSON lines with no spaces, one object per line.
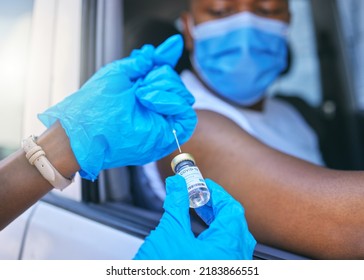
{"x":227,"y":237}
{"x":124,"y":114}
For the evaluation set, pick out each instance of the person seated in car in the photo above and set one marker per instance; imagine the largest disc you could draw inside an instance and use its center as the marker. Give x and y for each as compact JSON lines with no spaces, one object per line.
{"x":261,"y":149}
{"x":237,"y":50}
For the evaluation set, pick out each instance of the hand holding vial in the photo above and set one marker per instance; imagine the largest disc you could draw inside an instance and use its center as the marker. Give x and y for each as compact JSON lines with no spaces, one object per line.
{"x":227,"y":237}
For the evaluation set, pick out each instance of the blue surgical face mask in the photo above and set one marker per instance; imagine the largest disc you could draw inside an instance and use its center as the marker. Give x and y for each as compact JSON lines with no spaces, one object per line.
{"x":240,"y":56}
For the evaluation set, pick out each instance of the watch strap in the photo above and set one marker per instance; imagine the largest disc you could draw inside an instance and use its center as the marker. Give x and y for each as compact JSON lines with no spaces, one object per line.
{"x":37,"y":157}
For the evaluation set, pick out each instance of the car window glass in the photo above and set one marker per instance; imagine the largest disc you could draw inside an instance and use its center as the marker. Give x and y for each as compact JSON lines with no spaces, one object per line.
{"x":15,"y":23}
{"x":303,"y":79}
{"x":351,"y":15}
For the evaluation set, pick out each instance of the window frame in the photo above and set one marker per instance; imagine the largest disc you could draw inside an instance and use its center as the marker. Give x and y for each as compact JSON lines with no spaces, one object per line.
{"x":343,"y":131}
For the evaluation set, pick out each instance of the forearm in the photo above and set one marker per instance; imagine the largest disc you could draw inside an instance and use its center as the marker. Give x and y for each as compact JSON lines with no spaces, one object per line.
{"x":21,"y":184}
{"x":300,"y":207}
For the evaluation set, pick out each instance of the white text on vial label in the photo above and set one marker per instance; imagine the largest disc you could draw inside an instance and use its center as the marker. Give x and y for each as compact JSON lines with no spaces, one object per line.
{"x":193,"y":178}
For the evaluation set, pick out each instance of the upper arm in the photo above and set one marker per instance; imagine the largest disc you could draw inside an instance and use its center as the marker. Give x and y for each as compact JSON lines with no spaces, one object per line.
{"x":227,"y":154}
{"x":285,"y":198}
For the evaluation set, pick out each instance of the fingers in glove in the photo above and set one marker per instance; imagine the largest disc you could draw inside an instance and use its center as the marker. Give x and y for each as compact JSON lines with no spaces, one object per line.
{"x":120,"y":74}
{"x":164,"y":102}
{"x":169,"y":51}
{"x":176,"y":203}
{"x":138,"y":64}
{"x":143,"y":60}
{"x":222,"y":207}
{"x":218,"y":198}
{"x":227,"y":220}
{"x":160,"y":86}
{"x":184,"y":124}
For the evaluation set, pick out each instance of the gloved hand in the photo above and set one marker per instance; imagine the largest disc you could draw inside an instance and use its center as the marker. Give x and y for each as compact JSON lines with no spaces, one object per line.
{"x":227,"y":237}
{"x":125,"y":113}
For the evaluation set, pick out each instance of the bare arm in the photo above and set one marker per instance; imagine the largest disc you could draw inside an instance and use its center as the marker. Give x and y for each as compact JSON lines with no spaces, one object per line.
{"x":21,"y":184}
{"x":289,"y":203}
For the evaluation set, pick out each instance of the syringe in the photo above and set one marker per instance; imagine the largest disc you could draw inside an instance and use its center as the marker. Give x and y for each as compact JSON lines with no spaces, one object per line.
{"x":175,"y":137}
{"x":185,"y":165}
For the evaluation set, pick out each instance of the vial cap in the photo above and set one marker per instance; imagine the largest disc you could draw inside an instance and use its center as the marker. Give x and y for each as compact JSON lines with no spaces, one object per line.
{"x":181,"y":157}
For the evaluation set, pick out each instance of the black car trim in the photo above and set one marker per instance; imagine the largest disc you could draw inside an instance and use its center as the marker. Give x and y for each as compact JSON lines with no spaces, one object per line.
{"x":139,"y":222}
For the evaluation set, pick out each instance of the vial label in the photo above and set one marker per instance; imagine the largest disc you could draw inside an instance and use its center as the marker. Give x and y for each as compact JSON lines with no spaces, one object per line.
{"x":193,"y":177}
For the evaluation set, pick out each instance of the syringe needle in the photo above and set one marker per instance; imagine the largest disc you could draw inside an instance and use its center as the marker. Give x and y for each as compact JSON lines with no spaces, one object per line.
{"x":175,"y":137}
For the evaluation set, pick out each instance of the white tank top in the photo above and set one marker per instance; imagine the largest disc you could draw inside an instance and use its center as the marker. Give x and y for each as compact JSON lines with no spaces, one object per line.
{"x":279,"y":126}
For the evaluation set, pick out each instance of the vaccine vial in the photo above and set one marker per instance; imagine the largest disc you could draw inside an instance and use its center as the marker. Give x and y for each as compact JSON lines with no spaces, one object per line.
{"x":184,"y":164}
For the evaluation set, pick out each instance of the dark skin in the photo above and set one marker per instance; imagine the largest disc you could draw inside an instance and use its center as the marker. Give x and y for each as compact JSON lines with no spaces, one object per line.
{"x":207,"y":10}
{"x":21,"y":184}
{"x":289,"y":203}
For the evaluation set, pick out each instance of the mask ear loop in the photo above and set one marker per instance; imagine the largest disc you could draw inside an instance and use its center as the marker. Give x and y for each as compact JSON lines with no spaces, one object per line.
{"x":191,"y":29}
{"x":191,"y":26}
